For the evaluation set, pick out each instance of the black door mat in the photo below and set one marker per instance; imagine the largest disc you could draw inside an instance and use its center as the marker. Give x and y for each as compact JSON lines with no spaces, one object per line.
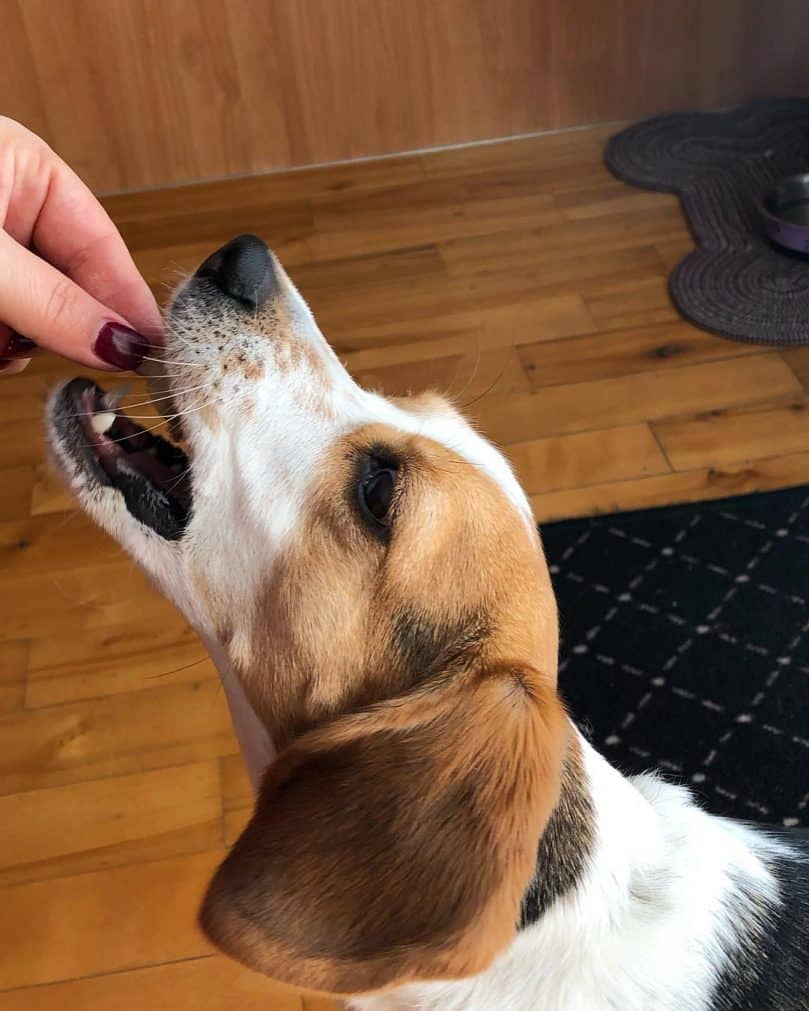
{"x":685,"y":646}
{"x":736,"y":283}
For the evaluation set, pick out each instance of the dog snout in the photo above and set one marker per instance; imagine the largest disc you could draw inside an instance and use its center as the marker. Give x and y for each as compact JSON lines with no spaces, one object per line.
{"x":243,"y":270}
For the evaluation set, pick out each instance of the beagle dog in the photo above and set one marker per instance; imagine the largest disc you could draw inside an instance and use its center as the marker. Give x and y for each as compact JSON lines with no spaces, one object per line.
{"x":434,"y":832}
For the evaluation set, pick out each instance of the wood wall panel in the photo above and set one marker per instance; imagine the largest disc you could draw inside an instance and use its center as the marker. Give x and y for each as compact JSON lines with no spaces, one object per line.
{"x":139,"y":93}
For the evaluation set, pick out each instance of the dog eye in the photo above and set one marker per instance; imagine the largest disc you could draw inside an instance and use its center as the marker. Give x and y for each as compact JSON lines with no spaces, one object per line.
{"x":375,"y":492}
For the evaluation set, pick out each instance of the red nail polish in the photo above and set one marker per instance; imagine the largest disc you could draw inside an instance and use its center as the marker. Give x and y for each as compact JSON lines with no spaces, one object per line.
{"x":120,"y":346}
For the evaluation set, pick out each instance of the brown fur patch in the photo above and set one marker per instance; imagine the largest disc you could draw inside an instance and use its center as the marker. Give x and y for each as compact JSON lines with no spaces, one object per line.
{"x":346,"y":620}
{"x":396,"y":843}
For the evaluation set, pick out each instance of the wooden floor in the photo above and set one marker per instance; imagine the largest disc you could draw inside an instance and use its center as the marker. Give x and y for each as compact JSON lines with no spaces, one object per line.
{"x":520,"y":277}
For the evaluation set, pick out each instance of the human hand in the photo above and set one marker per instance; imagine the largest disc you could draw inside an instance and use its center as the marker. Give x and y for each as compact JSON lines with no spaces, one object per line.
{"x":67,"y":281}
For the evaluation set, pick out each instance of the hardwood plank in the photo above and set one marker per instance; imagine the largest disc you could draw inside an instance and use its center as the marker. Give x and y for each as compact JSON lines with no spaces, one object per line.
{"x":143,"y":730}
{"x":234,"y":823}
{"x":268,"y":189}
{"x":396,"y":269}
{"x":27,"y":546}
{"x":71,"y":600}
{"x":542,"y":246}
{"x":18,"y":485}
{"x":49,"y":494}
{"x":351,"y":231}
{"x":204,"y":983}
{"x":104,"y":610}
{"x":554,"y":172}
{"x":609,"y":198}
{"x":279,"y":224}
{"x":571,"y":461}
{"x":716,"y":438}
{"x":591,"y":274}
{"x":136,"y":656}
{"x":463,"y":377}
{"x":673,"y":251}
{"x":125,"y":916}
{"x":44,"y":602}
{"x":13,"y":665}
{"x":237,"y":798}
{"x":449,"y":329}
{"x":123,"y":820}
{"x":645,"y":303}
{"x":359,"y":308}
{"x":683,"y":486}
{"x":798,"y":360}
{"x":625,"y":352}
{"x":20,"y":443}
{"x":645,"y":396}
{"x":94,"y":595}
{"x":236,"y":789}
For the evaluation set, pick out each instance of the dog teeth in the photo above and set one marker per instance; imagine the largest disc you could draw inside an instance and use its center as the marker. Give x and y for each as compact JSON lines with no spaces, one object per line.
{"x":102,"y":422}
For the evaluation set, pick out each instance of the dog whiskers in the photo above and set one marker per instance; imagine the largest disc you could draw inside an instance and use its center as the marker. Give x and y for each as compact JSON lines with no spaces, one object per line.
{"x":176,"y":670}
{"x":173,"y":361}
{"x":152,"y":400}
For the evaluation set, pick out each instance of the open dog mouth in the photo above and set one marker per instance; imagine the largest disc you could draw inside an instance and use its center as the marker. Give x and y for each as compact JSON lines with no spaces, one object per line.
{"x":109,"y":449}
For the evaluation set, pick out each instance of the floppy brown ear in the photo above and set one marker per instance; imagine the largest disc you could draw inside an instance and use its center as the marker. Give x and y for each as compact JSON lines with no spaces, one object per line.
{"x":396,"y":843}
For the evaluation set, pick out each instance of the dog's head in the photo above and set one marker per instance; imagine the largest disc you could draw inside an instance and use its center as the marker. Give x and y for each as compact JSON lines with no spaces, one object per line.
{"x":371,"y":569}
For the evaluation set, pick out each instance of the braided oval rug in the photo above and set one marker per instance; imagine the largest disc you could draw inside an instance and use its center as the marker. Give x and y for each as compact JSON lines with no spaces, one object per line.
{"x":736,"y":282}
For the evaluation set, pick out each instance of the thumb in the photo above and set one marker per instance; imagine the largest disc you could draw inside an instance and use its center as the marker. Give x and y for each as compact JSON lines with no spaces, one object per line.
{"x":39,"y":302}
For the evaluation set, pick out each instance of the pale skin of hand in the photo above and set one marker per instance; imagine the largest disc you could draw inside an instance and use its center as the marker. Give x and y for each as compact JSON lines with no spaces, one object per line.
{"x":67,"y":281}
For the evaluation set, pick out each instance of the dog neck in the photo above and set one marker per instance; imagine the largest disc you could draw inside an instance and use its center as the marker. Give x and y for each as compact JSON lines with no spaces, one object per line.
{"x":255,"y":744}
{"x":640,"y":900}
{"x":652,"y":881}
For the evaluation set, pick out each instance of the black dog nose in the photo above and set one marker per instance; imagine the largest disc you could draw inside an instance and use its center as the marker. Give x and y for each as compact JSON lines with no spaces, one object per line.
{"x":242,"y":269}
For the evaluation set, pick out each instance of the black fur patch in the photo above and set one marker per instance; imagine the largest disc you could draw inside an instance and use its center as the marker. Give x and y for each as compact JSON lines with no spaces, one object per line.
{"x":427,"y":647}
{"x":566,"y":843}
{"x":769,"y":971}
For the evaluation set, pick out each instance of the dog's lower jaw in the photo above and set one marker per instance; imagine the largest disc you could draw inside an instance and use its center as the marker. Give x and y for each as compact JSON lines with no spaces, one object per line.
{"x":671,"y":900}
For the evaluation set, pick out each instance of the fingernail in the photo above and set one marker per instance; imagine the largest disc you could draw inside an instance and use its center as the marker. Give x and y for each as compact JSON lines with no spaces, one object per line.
{"x":20,"y":347}
{"x":120,"y":346}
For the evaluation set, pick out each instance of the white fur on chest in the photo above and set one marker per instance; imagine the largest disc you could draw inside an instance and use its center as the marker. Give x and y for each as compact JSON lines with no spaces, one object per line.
{"x":647,"y":929}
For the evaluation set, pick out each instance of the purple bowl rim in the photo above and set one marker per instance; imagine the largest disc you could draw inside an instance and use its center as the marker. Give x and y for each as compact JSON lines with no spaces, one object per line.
{"x":760,"y":202}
